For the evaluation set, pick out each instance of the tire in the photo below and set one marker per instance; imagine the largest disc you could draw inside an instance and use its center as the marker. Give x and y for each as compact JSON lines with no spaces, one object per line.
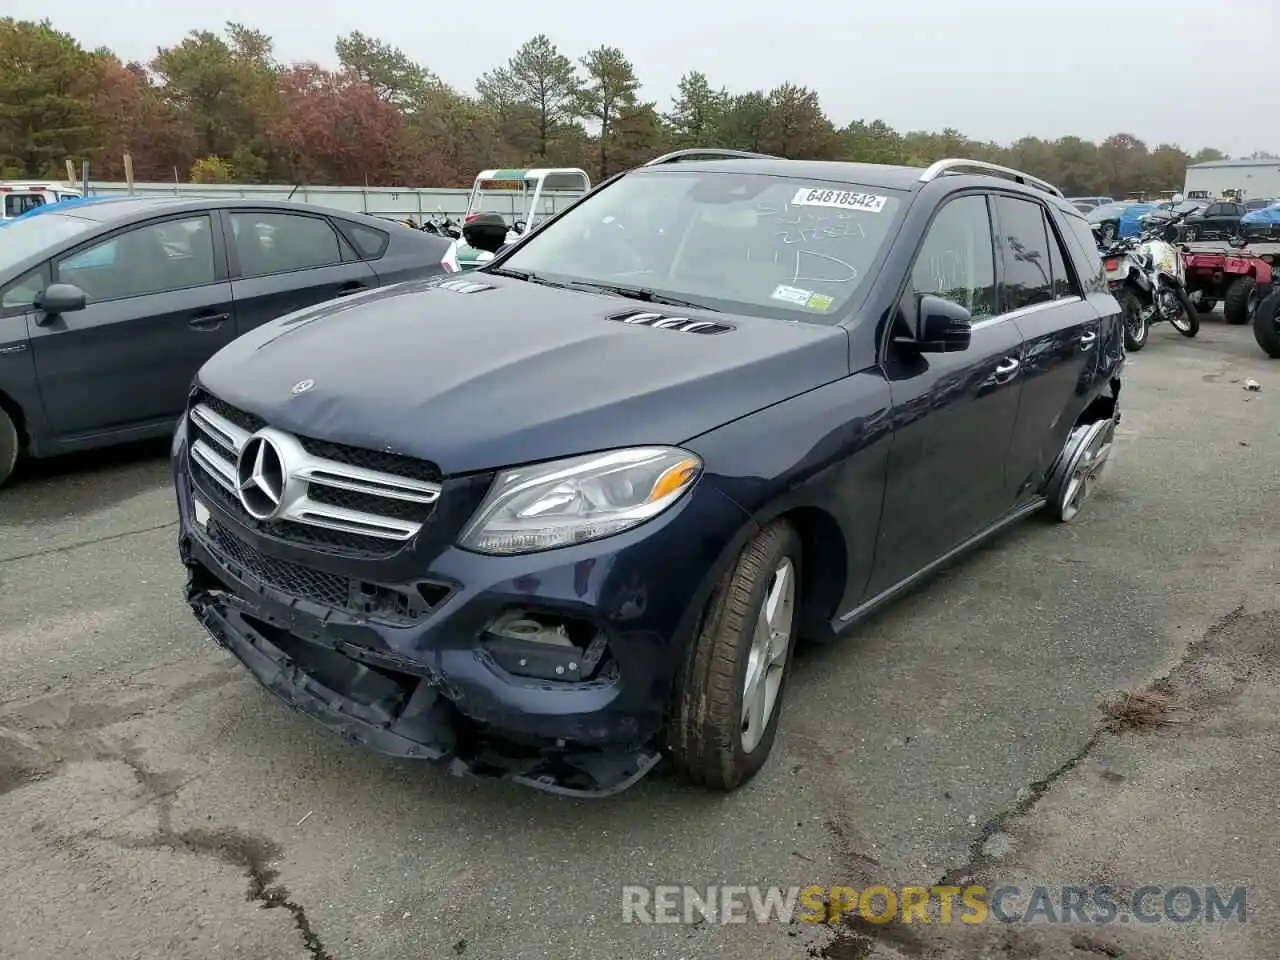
{"x":1081,"y":464}
{"x":708,"y":737}
{"x":1189,"y":323}
{"x":1136,"y":329}
{"x":9,"y":446}
{"x":1241,"y":300}
{"x":1266,"y":324}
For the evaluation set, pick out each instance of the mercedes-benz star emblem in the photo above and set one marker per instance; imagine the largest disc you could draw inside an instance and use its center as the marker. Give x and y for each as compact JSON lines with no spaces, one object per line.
{"x":302,"y":386}
{"x":260,"y":477}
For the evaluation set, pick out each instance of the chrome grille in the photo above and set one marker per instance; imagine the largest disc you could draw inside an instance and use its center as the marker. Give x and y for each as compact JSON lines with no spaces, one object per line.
{"x":333,"y":495}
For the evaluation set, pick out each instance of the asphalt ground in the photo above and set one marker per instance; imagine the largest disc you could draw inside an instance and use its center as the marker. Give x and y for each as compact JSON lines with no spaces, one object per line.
{"x":157,"y":803}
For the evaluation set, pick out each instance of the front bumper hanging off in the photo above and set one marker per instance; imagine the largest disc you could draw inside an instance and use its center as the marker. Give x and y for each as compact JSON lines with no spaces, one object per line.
{"x":395,"y":708}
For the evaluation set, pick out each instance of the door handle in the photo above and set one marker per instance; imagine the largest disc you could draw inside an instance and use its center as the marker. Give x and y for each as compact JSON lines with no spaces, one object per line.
{"x":1087,"y":340}
{"x":1006,"y":369}
{"x":355,"y":286}
{"x":208,"y":321}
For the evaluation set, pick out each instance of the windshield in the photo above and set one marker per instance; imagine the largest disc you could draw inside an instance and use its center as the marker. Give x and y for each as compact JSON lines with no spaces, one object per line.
{"x":749,"y":243}
{"x":21,"y":238}
{"x":508,"y":198}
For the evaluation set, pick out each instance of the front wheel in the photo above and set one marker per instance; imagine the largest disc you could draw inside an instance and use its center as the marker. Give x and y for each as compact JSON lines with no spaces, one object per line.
{"x":1135,"y":322}
{"x":1266,"y":324}
{"x":8,"y":446}
{"x":1186,"y":321}
{"x":729,"y":696}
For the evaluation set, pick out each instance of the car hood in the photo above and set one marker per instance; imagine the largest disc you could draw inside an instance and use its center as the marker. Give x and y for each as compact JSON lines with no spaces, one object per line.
{"x":483,"y":371}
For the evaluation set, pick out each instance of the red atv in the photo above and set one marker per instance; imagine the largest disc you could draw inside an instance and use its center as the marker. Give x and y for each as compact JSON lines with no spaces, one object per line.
{"x":1237,"y":276}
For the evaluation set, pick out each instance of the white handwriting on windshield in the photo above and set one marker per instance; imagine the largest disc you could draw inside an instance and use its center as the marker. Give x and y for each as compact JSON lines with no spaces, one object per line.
{"x":833,"y":231}
{"x":807,"y":270}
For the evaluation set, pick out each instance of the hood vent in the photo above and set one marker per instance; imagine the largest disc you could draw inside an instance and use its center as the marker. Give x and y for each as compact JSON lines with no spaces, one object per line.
{"x":463,"y":286}
{"x":666,"y":322}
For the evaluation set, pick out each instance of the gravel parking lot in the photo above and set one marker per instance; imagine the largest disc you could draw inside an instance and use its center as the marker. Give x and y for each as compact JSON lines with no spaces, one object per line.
{"x":157,"y":803}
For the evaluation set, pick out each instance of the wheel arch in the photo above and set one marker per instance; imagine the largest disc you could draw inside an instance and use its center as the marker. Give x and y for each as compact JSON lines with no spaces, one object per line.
{"x":824,"y":563}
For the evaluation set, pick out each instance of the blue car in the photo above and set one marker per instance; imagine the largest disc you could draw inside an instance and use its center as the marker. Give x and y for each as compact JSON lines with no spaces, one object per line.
{"x":1116,"y":220}
{"x":1261,"y":224}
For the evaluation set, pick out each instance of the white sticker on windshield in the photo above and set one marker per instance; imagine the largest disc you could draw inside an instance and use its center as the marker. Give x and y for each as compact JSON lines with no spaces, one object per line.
{"x":791,"y":294}
{"x":802,"y":298}
{"x":842,"y":199}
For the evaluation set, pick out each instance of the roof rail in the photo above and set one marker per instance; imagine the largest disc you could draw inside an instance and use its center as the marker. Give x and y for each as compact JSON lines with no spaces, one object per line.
{"x":957,"y":165}
{"x":708,"y":153}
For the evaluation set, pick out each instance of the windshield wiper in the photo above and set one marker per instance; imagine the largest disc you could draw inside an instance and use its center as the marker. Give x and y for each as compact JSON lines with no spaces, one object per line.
{"x":524,"y":275}
{"x":639,"y":293}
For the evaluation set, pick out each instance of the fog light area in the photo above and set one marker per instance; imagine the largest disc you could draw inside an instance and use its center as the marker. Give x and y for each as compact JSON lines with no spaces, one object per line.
{"x":546,"y":646}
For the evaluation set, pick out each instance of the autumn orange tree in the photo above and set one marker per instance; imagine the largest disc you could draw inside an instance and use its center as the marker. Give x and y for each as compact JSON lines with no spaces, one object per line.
{"x":215,"y":106}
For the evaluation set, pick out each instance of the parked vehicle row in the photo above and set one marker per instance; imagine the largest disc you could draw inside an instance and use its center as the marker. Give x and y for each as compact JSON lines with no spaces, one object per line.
{"x":108,"y":307}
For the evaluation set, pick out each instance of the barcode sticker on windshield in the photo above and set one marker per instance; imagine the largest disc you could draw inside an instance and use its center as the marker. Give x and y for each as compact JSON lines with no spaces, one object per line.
{"x":843,"y":199}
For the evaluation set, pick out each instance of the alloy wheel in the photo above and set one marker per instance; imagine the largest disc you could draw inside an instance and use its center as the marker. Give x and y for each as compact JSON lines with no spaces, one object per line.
{"x":1087,"y":469}
{"x":770,"y":645}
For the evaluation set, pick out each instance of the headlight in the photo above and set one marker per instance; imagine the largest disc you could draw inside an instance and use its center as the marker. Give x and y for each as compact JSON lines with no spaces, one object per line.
{"x":564,"y":502}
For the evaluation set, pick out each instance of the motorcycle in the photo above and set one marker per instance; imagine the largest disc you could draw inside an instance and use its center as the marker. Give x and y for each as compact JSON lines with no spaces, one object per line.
{"x":443,"y":226}
{"x":1147,"y":275}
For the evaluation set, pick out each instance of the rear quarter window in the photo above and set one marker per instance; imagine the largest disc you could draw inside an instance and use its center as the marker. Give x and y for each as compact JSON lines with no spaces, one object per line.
{"x":369,"y":242}
{"x":1084,"y":251}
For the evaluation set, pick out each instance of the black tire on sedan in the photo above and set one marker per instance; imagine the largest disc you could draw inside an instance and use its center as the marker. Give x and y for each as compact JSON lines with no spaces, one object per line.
{"x":729,"y":695}
{"x":9,"y":443}
{"x":1241,"y":300}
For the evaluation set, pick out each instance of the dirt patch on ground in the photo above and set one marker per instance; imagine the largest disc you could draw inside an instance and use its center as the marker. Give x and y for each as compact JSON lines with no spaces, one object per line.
{"x":1141,"y":709}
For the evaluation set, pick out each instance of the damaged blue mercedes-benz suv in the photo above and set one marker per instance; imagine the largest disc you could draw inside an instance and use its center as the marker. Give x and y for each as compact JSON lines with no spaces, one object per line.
{"x":567,"y":514}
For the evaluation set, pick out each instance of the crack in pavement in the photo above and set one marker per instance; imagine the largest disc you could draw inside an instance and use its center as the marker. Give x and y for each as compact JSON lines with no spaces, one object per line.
{"x":237,"y":848}
{"x":67,"y":547}
{"x":251,"y":853}
{"x":855,"y":937}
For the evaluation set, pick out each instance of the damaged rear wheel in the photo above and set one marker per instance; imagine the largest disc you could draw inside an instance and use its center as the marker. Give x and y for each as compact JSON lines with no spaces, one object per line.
{"x":730,"y":693}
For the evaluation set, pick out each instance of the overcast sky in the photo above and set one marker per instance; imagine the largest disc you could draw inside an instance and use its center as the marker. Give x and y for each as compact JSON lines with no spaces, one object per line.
{"x":1180,"y":71}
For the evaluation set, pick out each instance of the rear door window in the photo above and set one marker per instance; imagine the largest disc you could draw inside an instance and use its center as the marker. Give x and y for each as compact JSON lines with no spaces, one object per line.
{"x":271,"y":243}
{"x":1023,"y":246}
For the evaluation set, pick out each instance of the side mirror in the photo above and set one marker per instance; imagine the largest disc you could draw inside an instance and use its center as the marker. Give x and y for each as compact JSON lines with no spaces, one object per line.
{"x":59,"y":298}
{"x":942,"y":326}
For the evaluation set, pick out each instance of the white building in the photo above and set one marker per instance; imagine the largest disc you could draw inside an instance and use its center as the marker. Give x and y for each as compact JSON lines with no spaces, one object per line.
{"x":1253,"y":178}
